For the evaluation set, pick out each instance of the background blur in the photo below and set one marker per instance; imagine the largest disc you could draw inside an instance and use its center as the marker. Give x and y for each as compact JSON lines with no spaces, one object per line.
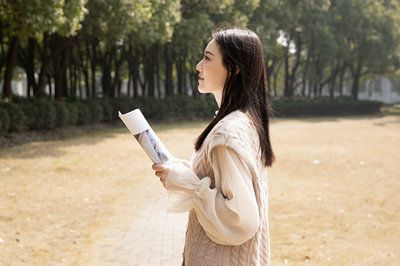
{"x":322,"y":57}
{"x":97,"y":48}
{"x":333,"y":70}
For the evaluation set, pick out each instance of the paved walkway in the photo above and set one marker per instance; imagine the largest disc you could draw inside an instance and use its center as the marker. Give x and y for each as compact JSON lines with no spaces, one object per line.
{"x":153,"y":238}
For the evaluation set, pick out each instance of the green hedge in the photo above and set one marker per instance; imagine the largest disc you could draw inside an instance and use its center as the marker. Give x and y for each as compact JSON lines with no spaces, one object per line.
{"x":31,"y":113}
{"x":4,"y":121}
{"x":324,"y":107}
{"x":17,"y":119}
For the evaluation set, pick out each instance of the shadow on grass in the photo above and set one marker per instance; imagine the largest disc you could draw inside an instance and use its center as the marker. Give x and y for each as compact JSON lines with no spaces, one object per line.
{"x":51,"y":143}
{"x":327,"y":118}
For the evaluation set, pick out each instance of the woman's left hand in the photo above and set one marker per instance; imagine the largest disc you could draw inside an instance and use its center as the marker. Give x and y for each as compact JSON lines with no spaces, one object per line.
{"x":162,"y":171}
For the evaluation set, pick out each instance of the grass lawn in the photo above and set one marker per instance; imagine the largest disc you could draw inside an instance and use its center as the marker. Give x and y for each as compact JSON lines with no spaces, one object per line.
{"x":334,"y":192}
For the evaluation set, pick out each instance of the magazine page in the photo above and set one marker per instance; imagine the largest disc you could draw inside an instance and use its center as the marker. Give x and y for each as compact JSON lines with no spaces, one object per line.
{"x":144,"y":134}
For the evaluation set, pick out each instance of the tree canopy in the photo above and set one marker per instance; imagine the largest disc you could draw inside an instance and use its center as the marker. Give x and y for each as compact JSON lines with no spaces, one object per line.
{"x":90,"y":48}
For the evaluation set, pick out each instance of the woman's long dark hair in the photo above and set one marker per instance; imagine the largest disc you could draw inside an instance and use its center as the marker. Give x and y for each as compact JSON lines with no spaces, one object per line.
{"x":247,"y":90}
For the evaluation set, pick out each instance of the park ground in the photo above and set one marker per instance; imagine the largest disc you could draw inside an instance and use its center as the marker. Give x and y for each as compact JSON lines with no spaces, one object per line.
{"x":93,"y":200}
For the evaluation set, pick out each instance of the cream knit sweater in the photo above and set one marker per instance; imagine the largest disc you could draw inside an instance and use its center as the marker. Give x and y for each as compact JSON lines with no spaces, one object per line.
{"x":226,"y":194}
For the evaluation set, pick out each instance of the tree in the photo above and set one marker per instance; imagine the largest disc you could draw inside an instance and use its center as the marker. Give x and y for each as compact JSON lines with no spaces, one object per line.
{"x":23,"y":19}
{"x":371,"y":30}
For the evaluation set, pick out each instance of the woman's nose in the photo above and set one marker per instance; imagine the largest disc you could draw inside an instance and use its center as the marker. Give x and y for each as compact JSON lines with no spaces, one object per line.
{"x":198,"y":66}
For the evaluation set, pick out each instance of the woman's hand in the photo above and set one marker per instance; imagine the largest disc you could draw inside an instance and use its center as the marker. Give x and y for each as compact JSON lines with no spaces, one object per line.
{"x":162,"y":170}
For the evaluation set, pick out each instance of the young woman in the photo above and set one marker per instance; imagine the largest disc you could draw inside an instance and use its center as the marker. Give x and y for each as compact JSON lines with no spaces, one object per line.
{"x":225,"y":186}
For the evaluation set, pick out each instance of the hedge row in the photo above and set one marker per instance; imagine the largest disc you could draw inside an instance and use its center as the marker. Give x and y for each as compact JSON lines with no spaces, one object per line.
{"x":324,"y":106}
{"x":32,"y":114}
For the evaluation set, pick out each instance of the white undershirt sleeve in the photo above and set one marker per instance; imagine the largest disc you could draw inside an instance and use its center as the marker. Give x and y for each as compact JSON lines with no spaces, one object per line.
{"x":228,"y":213}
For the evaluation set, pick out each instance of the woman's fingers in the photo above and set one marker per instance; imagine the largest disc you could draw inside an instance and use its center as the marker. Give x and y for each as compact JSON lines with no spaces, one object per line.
{"x":158,"y":167}
{"x":162,"y":172}
{"x":186,"y":163}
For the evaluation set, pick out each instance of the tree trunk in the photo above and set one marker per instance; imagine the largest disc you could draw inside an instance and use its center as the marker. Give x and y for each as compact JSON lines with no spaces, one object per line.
{"x":30,"y":71}
{"x":168,"y":72}
{"x":2,"y":49}
{"x":356,"y":73}
{"x":118,"y":63}
{"x":135,"y":72}
{"x":286,"y":91}
{"x":150,"y":72}
{"x":93,"y":64}
{"x":106,"y":80}
{"x":194,"y":84}
{"x":332,"y":88}
{"x":156,"y":63}
{"x":335,"y":71}
{"x":355,"y":86}
{"x":179,"y":70}
{"x":8,"y":75}
{"x":48,"y":79}
{"x":341,"y":79}
{"x":59,"y":64}
{"x":305,"y":72}
{"x":27,"y":61}
{"x":84,"y":67}
{"x":46,"y":60}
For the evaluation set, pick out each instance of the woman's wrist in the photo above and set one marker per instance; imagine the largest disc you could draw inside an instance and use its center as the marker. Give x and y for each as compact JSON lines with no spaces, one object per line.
{"x":181,"y":177}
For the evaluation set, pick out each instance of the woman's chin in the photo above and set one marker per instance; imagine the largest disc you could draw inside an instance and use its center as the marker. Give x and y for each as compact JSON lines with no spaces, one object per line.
{"x":202,"y":90}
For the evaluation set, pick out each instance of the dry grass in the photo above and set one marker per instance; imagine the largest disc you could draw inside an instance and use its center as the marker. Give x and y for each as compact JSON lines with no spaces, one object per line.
{"x":334,"y":192}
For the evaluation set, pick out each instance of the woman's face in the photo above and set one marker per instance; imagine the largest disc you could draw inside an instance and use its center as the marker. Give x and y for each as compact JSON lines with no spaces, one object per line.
{"x":213,"y":73}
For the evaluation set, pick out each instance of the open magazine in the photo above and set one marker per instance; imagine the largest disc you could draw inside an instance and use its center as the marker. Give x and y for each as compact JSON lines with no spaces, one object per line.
{"x":144,"y":134}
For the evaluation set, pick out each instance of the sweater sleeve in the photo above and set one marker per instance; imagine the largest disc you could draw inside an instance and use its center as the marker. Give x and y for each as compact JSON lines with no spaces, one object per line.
{"x":228,"y":215}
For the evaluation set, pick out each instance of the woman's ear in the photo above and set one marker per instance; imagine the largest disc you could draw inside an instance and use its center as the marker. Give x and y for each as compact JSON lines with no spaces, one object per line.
{"x":237,"y":70}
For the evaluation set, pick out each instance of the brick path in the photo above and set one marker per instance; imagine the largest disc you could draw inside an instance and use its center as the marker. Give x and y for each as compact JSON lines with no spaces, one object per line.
{"x":153,"y":237}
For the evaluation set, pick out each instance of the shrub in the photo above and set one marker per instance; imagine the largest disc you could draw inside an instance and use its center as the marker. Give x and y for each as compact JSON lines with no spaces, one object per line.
{"x":324,"y":106}
{"x":62,"y":114}
{"x":107,"y":110}
{"x":122,"y":105}
{"x":31,"y":114}
{"x":84,"y":116}
{"x":16,"y":115}
{"x":47,"y":114}
{"x":40,"y":113}
{"x":95,"y":109}
{"x":73,"y":113}
{"x":4,"y":121}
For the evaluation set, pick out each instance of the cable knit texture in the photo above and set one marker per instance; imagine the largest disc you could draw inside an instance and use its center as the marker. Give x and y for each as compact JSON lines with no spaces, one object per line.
{"x":237,"y":132}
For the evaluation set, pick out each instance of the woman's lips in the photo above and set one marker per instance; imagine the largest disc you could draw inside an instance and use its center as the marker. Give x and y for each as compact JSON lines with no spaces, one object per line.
{"x":200,"y":78}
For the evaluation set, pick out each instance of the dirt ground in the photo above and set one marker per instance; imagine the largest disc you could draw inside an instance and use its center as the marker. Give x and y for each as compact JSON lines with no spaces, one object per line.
{"x":334,"y":192}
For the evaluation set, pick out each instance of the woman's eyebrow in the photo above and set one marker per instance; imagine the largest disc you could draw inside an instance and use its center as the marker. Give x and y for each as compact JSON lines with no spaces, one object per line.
{"x":208,"y":52}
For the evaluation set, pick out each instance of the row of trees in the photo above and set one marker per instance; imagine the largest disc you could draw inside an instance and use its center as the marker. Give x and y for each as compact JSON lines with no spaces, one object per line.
{"x":88,"y":47}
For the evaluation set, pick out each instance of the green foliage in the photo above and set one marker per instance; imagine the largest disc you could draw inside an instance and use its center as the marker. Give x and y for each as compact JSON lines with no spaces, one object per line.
{"x":27,"y":18}
{"x":62,"y":114}
{"x":95,"y":109}
{"x":46,"y":115}
{"x":4,"y":121}
{"x":16,"y":115}
{"x":73,"y":113}
{"x":37,"y":114}
{"x":84,"y":115}
{"x":122,"y":105}
{"x":324,"y":106}
{"x":107,"y":110}
{"x":40,"y":113}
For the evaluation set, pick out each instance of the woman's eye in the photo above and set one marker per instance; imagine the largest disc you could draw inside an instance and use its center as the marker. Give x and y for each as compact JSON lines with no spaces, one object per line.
{"x":206,"y":58}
